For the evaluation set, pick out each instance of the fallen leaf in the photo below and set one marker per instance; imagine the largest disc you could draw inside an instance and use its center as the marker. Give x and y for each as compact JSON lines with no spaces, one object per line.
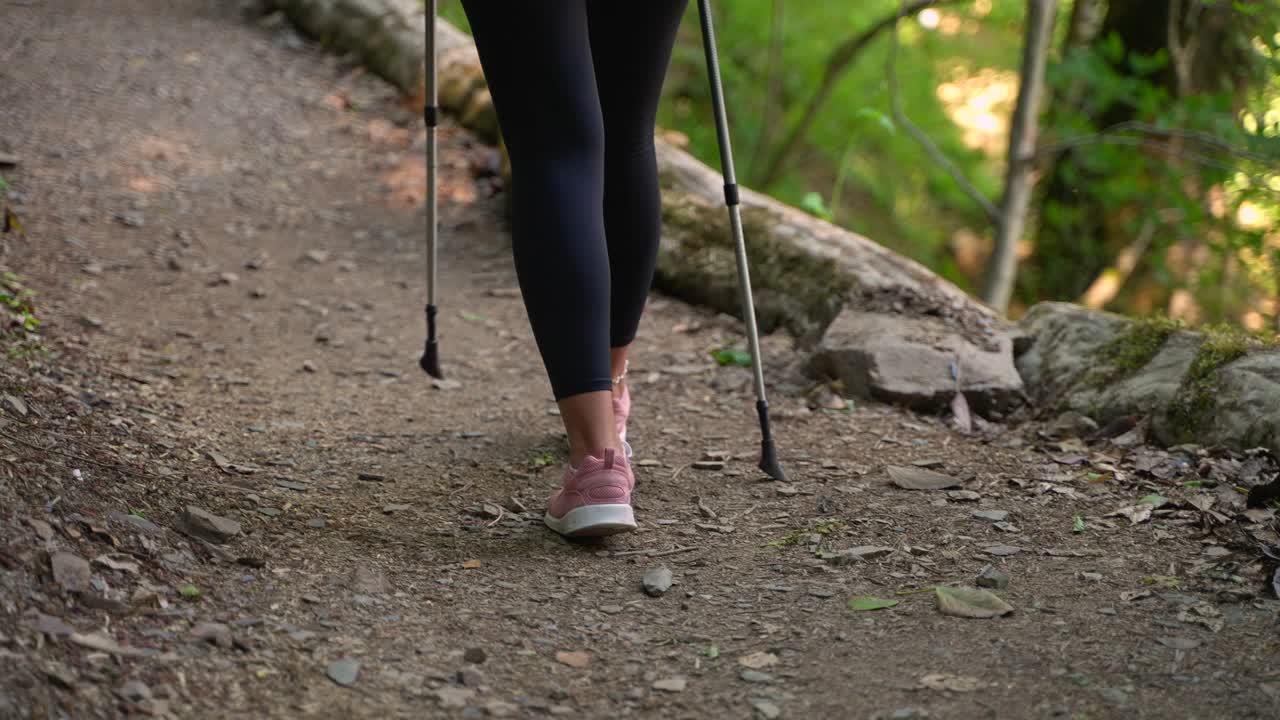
{"x":117,"y":562}
{"x":100,"y":642}
{"x":953,"y":683}
{"x":916,"y":478}
{"x":969,"y":602}
{"x":471,"y":565}
{"x":574,"y":659}
{"x":870,"y":603}
{"x":671,"y":684}
{"x":757,"y":660}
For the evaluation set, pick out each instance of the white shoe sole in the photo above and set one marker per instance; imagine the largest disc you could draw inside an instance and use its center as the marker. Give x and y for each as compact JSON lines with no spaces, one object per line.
{"x":593,"y":521}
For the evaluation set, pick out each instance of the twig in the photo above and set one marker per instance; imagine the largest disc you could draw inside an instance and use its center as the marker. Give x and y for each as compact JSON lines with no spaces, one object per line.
{"x":652,"y":553}
{"x":65,"y":454}
{"x":501,"y":514}
{"x":931,"y":149}
{"x":744,"y":513}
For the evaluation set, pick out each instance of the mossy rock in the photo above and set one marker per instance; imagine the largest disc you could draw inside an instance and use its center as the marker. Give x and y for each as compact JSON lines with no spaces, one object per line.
{"x":793,"y":290}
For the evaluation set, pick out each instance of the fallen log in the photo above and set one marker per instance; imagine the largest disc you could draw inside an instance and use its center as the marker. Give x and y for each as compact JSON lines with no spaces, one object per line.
{"x":807,"y":273}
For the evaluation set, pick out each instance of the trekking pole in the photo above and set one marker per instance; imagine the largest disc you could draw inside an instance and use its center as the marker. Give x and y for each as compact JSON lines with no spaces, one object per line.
{"x":430,"y":361}
{"x":768,"y":454}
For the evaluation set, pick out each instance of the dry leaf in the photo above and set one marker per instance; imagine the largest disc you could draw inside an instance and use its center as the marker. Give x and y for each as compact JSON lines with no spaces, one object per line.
{"x":574,"y":659}
{"x":757,"y":660}
{"x":954,"y":683}
{"x":915,"y":478}
{"x":969,"y":602}
{"x":471,"y":565}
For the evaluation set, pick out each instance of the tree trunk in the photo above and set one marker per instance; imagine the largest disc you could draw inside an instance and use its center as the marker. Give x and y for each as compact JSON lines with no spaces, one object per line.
{"x":1022,"y":143}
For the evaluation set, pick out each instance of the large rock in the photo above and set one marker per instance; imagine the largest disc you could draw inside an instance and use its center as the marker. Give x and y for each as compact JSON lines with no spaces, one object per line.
{"x":916,"y":361}
{"x":1209,"y":388}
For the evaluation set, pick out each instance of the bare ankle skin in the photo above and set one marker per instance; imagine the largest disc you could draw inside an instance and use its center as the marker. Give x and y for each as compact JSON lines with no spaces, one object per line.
{"x":588,"y":420}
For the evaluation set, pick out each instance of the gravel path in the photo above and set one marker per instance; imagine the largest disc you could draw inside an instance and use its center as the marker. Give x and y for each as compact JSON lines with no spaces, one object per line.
{"x":224,"y":227}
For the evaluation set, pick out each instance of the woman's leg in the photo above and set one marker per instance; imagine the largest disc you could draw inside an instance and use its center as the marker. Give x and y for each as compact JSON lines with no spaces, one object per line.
{"x":631,"y":46}
{"x":538,"y":64}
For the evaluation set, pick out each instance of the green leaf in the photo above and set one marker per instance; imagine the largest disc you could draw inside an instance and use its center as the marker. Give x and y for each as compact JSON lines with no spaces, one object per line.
{"x":870,"y":603}
{"x":731,"y":356}
{"x":1078,"y":527}
{"x":190,"y":592}
{"x":885,"y":121}
{"x":813,"y":204}
{"x":712,"y":652}
{"x":1155,"y":501}
{"x":472,"y":317}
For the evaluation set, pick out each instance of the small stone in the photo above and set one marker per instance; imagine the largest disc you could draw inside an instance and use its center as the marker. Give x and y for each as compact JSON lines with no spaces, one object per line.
{"x":50,"y":625}
{"x":137,"y":523}
{"x":1115,"y":696}
{"x":991,"y":515}
{"x":308,"y":366}
{"x":708,"y":465}
{"x":369,"y":581}
{"x":471,"y":677}
{"x":1091,"y":576}
{"x":130,"y":219}
{"x":755,"y":676}
{"x":44,"y":530}
{"x":70,"y":571}
{"x":574,"y":659}
{"x":316,"y":523}
{"x":1006,"y":527}
{"x":767,"y":709}
{"x":212,"y":632}
{"x":290,"y":485}
{"x":474,"y":655}
{"x":15,"y":405}
{"x":317,"y":256}
{"x":344,"y":672}
{"x":395,"y":508}
{"x":454,"y":697}
{"x":964,"y":495}
{"x":657,"y":581}
{"x":371,"y":477}
{"x":203,"y":524}
{"x":1002,"y":550}
{"x":857,"y":554}
{"x":445,"y":384}
{"x":993,"y":578}
{"x":227,"y":278}
{"x":500,"y":708}
{"x":270,"y":511}
{"x":134,"y":691}
{"x":673,"y":684}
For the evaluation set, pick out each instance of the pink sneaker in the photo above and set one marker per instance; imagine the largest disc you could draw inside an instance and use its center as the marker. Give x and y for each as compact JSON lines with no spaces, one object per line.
{"x":595,"y":498}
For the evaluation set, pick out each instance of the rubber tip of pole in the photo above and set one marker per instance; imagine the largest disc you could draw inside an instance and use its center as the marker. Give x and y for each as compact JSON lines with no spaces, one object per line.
{"x":430,"y":361}
{"x":769,"y":461}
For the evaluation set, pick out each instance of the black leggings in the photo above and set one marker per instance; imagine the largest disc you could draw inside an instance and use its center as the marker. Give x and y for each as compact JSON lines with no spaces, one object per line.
{"x":576,"y":85}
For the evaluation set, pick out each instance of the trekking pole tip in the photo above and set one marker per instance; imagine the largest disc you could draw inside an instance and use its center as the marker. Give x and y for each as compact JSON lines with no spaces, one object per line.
{"x":430,"y":361}
{"x":769,"y":461}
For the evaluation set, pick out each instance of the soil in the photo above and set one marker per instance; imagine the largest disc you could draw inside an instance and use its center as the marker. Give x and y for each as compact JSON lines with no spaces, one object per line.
{"x":224,"y":228}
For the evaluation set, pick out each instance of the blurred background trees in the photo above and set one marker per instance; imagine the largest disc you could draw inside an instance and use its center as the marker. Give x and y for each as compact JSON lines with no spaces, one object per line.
{"x":1156,"y":170}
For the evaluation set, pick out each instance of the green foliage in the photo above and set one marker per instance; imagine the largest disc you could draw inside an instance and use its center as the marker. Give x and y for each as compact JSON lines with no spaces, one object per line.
{"x":19,"y":327}
{"x":731,"y":356}
{"x":1187,"y":169}
{"x":822,"y":527}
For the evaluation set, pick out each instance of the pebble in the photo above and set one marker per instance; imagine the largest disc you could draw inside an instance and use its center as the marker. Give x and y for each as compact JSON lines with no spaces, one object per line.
{"x":316,"y":523}
{"x":657,"y":581}
{"x":270,"y":511}
{"x":395,"y":507}
{"x":134,"y":691}
{"x":574,"y":659}
{"x":857,"y":554}
{"x":1002,"y":550}
{"x":454,"y":697}
{"x":755,"y":676}
{"x":708,"y":465}
{"x":991,"y":515}
{"x":203,"y":524}
{"x":474,"y":655}
{"x":767,"y":710}
{"x":70,"y":571}
{"x":993,"y":578}
{"x":213,"y":632}
{"x":964,"y":495}
{"x":291,"y":485}
{"x":471,"y":677}
{"x":673,"y":684}
{"x":344,"y":672}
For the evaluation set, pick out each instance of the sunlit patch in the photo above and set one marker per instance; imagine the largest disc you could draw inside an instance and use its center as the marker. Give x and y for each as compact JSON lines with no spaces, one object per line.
{"x":406,"y":185}
{"x":928,"y":18}
{"x":980,"y":104}
{"x":1252,"y":217}
{"x":1253,"y":321}
{"x":1183,"y":306}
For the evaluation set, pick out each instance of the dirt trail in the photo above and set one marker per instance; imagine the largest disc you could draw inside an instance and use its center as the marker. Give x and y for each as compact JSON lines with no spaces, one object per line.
{"x":220,"y":223}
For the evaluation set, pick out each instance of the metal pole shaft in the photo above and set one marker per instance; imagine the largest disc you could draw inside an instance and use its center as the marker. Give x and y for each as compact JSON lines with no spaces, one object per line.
{"x":731,"y":192}
{"x":432,"y":113}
